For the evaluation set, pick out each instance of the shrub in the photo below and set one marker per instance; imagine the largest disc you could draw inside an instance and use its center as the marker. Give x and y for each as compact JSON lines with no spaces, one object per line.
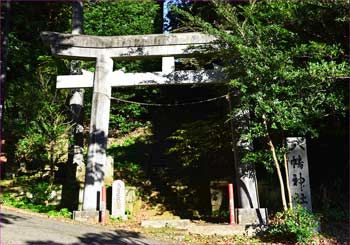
{"x":294,"y":225}
{"x":40,"y":193}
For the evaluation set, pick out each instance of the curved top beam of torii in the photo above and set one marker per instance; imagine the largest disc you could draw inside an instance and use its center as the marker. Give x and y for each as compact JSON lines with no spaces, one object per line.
{"x":131,"y":46}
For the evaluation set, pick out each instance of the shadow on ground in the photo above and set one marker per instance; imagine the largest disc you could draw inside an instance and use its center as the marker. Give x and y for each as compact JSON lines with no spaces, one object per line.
{"x":116,"y":237}
{"x":9,"y":218}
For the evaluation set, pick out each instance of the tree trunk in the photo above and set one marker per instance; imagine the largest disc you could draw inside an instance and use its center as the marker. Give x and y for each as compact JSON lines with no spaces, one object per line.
{"x":277,"y":165}
{"x":287,"y":180}
{"x":77,"y":99}
{"x":279,"y":174}
{"x":72,"y":185}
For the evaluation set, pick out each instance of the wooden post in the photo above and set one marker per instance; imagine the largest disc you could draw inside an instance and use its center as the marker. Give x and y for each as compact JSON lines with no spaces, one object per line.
{"x":103,"y":205}
{"x":231,"y":204}
{"x":98,"y":132}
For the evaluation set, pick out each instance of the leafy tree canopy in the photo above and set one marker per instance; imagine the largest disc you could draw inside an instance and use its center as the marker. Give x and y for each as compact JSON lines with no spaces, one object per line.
{"x":286,"y":62}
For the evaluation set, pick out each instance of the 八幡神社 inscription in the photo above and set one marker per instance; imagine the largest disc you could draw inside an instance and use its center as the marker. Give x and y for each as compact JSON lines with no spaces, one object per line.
{"x":298,"y":170}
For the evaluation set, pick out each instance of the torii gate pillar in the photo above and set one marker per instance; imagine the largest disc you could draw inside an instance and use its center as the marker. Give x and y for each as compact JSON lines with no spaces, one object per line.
{"x":99,"y":123}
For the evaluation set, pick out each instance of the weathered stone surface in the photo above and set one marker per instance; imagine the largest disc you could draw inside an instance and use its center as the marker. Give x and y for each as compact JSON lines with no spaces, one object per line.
{"x":253,"y":230}
{"x":136,"y":46}
{"x":206,"y":229}
{"x":298,"y":171}
{"x":118,"y":199}
{"x":181,"y":224}
{"x":251,"y":216}
{"x":217,"y":230}
{"x":86,"y":216}
{"x":245,"y":173}
{"x":121,"y":79}
{"x":130,"y":198}
{"x":88,"y":41}
{"x":218,"y":194}
{"x":153,"y":223}
{"x":122,"y":53}
{"x":99,"y":123}
{"x":108,"y":178}
{"x":168,"y":64}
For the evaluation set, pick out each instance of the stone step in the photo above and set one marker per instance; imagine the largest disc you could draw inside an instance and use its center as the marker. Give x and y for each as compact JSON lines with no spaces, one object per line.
{"x":181,"y":224}
{"x":217,"y":229}
{"x":205,"y":229}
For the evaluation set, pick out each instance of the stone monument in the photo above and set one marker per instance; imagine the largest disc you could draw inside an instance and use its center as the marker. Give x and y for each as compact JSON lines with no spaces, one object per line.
{"x":118,"y":200}
{"x":298,"y":171}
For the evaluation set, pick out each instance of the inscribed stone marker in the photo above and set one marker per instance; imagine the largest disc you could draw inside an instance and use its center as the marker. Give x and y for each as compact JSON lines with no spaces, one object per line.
{"x":298,"y":170}
{"x":246,"y":179}
{"x":118,"y":199}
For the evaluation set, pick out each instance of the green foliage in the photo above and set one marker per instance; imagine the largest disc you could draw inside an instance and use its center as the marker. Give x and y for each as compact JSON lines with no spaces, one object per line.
{"x":34,"y":193}
{"x":135,"y":148}
{"x":199,"y":139}
{"x":222,"y":214}
{"x":130,"y":170}
{"x":51,"y":210}
{"x":39,"y":193}
{"x":34,"y":109}
{"x":284,"y":68}
{"x":45,"y":141}
{"x":294,"y":225}
{"x":125,"y":17}
{"x":336,"y":214}
{"x":119,"y":18}
{"x":38,"y":189}
{"x":279,"y":75}
{"x":63,"y":212}
{"x":126,"y":117}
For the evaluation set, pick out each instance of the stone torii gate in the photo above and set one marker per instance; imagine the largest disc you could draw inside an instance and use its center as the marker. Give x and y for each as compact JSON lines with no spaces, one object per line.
{"x":104,"y":50}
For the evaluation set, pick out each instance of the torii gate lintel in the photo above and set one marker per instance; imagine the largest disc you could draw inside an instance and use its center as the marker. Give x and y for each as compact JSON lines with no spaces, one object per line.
{"x":125,"y":47}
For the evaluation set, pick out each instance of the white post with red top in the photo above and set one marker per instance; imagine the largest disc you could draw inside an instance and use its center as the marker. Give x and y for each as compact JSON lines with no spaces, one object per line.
{"x":231,"y":204}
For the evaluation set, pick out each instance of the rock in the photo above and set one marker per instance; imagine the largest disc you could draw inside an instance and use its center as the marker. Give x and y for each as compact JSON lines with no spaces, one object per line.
{"x":86,"y":216}
{"x":217,"y":230}
{"x":252,"y":216}
{"x":182,"y":224}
